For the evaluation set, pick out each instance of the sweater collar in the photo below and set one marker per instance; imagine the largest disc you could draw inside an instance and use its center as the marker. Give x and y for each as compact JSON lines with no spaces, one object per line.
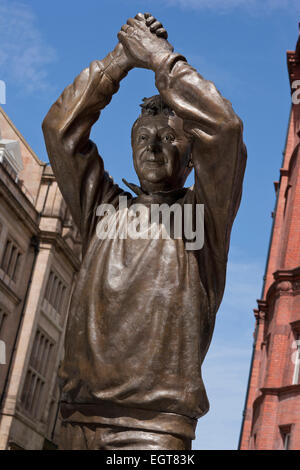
{"x":168,"y":197}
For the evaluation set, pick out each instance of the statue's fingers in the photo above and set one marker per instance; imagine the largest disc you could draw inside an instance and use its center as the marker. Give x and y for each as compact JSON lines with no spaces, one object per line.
{"x":126,"y":28}
{"x":150,"y":20}
{"x":155,"y":26}
{"x":161,"y":33}
{"x":147,"y":15}
{"x":140,"y":17}
{"x":131,"y":22}
{"x":121,"y":35}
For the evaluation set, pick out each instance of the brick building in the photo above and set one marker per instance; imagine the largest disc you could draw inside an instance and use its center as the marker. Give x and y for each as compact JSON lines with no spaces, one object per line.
{"x":39,"y":257}
{"x":272,"y":412}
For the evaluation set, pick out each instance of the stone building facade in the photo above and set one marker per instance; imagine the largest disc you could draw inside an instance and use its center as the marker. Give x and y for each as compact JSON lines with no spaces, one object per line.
{"x":272,"y":413}
{"x":39,"y":258}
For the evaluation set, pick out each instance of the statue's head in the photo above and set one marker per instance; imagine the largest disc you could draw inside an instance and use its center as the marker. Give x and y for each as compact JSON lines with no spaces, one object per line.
{"x":161,"y":148}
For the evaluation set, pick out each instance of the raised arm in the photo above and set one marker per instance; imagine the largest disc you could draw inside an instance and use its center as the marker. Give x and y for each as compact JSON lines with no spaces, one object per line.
{"x":219,"y":160}
{"x":74,"y":158}
{"x":218,"y":152}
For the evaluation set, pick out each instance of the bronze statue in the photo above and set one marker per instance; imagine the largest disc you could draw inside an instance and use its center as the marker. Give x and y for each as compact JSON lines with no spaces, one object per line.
{"x":143,"y":309}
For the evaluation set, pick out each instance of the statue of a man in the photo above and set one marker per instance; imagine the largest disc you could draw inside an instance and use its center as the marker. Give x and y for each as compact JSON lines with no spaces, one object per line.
{"x":143,"y":309}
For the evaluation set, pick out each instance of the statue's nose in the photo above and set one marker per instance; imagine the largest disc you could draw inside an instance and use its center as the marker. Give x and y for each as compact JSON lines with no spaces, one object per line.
{"x":153,"y":145}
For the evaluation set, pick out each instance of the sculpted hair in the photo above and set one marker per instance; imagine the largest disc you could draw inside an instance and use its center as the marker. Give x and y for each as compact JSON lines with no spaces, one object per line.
{"x":153,"y":106}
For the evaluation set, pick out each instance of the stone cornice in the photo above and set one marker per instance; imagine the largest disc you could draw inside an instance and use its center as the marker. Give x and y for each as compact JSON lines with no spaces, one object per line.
{"x":262,"y":305}
{"x":9,"y":292}
{"x":287,"y":274}
{"x":284,"y":172}
{"x":286,"y":282}
{"x":58,"y":242}
{"x":19,"y":203}
{"x":281,"y":390}
{"x":275,"y":391}
{"x":261,"y":312}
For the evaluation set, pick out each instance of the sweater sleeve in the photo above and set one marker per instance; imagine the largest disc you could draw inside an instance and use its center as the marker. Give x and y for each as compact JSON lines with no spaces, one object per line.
{"x":219,"y":159}
{"x":75,"y":160}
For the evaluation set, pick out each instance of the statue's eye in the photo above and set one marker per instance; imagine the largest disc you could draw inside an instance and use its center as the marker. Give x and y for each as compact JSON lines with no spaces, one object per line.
{"x":168,"y":138}
{"x":142,"y":138}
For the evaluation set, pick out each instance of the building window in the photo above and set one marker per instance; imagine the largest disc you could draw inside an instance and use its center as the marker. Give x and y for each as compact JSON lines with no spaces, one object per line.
{"x":286,"y":440}
{"x":3,"y":317}
{"x":286,"y":196}
{"x":285,"y":432}
{"x":55,"y":292}
{"x":296,"y":359}
{"x":53,"y":412}
{"x":11,"y":260}
{"x":36,"y":377}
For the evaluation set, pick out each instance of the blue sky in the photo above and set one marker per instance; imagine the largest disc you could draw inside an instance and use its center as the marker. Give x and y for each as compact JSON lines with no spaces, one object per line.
{"x":238,"y":44}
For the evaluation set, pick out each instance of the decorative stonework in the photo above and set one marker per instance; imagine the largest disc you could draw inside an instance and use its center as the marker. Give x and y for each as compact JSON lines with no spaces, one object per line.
{"x":10,"y":150}
{"x":286,"y":282}
{"x":284,"y":288}
{"x":259,"y":315}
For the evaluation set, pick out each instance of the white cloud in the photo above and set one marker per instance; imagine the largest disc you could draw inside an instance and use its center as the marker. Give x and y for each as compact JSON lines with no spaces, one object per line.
{"x":225,"y":5}
{"x":23,"y":52}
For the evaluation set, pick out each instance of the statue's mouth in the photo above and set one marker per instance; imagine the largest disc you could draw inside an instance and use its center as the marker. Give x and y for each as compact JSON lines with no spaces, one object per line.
{"x":154,"y":162}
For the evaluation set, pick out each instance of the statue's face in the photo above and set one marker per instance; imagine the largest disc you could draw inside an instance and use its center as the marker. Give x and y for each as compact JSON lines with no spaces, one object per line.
{"x":161,"y":152}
